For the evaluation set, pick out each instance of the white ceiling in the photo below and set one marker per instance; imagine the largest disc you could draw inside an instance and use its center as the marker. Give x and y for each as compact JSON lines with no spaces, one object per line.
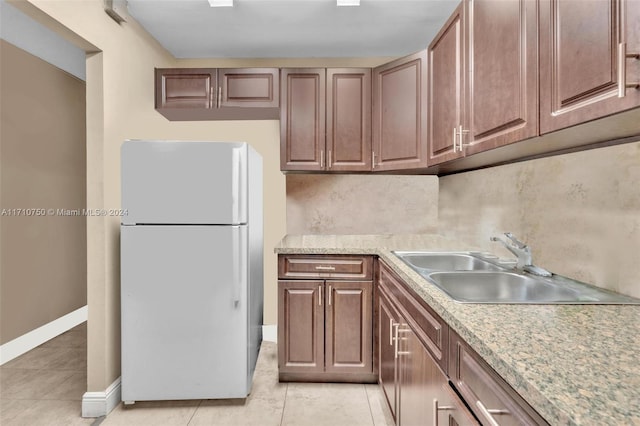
{"x":292,"y":28}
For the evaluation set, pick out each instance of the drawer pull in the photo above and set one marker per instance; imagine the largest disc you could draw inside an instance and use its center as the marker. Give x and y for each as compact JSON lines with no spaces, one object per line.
{"x":488,"y":413}
{"x":437,"y":408}
{"x":325,"y":268}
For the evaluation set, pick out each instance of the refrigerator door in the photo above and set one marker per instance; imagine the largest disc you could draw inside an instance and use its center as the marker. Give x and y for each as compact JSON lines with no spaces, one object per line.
{"x":184,"y":312}
{"x":166,"y":182}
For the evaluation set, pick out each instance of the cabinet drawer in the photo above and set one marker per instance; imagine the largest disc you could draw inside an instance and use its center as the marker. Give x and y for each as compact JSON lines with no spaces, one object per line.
{"x":432,"y":330}
{"x":328,"y":267}
{"x":491,"y":398}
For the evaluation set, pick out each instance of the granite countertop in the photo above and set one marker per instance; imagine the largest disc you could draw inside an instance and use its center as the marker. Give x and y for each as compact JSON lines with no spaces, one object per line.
{"x":574,"y":364}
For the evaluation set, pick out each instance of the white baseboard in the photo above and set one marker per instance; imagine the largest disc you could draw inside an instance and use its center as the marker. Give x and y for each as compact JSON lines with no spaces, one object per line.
{"x":98,"y":404}
{"x":35,"y":338}
{"x":270,"y":333}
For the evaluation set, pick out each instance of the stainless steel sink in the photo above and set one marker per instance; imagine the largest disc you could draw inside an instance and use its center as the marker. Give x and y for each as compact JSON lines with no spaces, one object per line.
{"x":469,"y":277}
{"x":500,"y":287}
{"x":446,"y":261}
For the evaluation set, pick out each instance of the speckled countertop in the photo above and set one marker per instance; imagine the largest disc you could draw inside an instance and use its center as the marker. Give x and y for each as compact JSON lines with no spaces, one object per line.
{"x":575,"y":364}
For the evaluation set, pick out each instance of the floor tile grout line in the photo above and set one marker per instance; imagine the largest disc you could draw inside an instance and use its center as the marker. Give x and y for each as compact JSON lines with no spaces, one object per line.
{"x":366,"y":394}
{"x":284,"y":403}
{"x":195,"y":411}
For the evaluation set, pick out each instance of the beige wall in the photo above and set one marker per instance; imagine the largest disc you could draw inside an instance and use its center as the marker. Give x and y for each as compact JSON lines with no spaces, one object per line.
{"x":579,"y":212}
{"x":361,"y":204}
{"x":42,"y":165}
{"x":120,"y":103}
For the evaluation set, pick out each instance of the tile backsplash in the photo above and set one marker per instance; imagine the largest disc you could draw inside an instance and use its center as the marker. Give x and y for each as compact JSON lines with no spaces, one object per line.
{"x":579,"y":212}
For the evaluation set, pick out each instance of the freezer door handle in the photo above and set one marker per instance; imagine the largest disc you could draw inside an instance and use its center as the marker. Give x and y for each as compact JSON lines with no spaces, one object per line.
{"x":239,"y":186}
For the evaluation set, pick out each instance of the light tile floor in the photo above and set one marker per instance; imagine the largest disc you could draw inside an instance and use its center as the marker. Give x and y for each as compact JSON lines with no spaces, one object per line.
{"x":45,"y":387}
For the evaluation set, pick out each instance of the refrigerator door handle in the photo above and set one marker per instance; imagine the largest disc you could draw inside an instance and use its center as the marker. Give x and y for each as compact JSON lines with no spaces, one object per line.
{"x":238,"y":187}
{"x":239,"y":266}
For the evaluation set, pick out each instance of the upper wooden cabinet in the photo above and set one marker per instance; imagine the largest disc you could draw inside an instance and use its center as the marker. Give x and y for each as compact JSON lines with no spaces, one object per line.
{"x":325,"y":122}
{"x":302,"y":119}
{"x":185,"y":88}
{"x":446,"y":90}
{"x":248,"y":87}
{"x":399,"y":116}
{"x":584,"y":68}
{"x":217,"y":94}
{"x":483,"y":78}
{"x":502,"y":54}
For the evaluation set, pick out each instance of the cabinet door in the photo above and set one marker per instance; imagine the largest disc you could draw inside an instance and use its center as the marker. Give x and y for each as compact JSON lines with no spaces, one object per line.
{"x":420,"y":379}
{"x":579,"y":57}
{"x":348,"y":119}
{"x":301,"y":326}
{"x":302,"y":119}
{"x":399,"y":117}
{"x":249,"y":87}
{"x":348,"y":323}
{"x":503,"y":72}
{"x":388,"y":320}
{"x":185,"y":88}
{"x":446,"y":89}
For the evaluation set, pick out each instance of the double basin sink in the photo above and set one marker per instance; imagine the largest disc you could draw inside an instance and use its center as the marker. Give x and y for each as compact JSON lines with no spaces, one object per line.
{"x":469,"y":277}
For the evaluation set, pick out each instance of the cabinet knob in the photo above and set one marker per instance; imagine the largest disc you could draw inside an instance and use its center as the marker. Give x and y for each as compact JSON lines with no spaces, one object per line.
{"x":622,"y":70}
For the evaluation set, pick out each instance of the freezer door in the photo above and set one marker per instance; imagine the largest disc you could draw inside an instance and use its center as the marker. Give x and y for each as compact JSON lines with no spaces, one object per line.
{"x":184,"y":312}
{"x":167,"y":182}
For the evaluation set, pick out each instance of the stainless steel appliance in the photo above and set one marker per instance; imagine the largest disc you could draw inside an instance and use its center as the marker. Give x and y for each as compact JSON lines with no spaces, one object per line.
{"x":191,"y":269}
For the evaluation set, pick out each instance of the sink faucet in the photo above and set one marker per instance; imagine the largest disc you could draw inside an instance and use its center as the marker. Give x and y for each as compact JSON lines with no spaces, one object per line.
{"x":523,"y":253}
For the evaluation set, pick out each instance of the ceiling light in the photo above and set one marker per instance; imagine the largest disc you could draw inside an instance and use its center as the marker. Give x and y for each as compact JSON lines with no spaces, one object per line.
{"x":346,"y":2}
{"x":221,"y":3}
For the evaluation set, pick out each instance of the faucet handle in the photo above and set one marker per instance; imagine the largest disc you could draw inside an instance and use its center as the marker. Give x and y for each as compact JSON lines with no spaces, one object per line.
{"x":519,"y":244}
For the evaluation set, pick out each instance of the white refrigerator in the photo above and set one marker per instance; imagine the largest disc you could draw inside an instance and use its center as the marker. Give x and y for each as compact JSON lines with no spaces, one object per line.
{"x":191,"y":269}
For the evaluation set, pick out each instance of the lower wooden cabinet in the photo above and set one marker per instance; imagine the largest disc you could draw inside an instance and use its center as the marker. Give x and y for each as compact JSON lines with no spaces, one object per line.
{"x":488,"y":395}
{"x":325,"y":330}
{"x":325,"y":326}
{"x":417,"y":390}
{"x":429,"y":379}
{"x":388,"y":318}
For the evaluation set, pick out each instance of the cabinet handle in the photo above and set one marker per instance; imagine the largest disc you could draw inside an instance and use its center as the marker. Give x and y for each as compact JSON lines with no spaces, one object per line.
{"x":329,"y":159}
{"x":219,"y":96}
{"x":373,"y":160}
{"x":395,"y":340}
{"x":437,"y":407}
{"x":330,"y":294}
{"x":322,"y":158}
{"x":391,"y":325}
{"x":325,"y":268}
{"x":398,"y":331}
{"x":211,"y":97}
{"x":462,"y":132}
{"x":455,"y":140}
{"x":622,"y":70}
{"x":320,"y":295}
{"x":488,"y":413}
